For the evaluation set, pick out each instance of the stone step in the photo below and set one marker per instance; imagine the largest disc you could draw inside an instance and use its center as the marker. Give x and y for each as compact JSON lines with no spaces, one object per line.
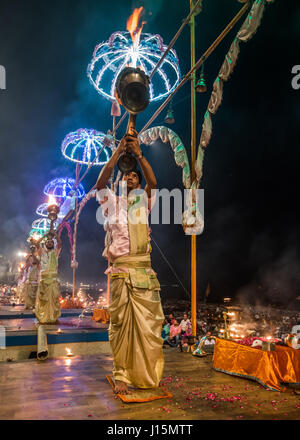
{"x":16,"y":338}
{"x":9,"y":312}
{"x":22,"y":345}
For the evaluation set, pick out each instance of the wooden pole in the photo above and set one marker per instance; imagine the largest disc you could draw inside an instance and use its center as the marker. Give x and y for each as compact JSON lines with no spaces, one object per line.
{"x":76,"y":208}
{"x":74,"y":268}
{"x":193,"y":160}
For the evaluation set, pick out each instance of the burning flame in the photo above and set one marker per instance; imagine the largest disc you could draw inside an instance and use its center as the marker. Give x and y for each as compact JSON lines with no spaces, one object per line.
{"x":69,"y":352}
{"x":134,"y":27}
{"x":51,"y":201}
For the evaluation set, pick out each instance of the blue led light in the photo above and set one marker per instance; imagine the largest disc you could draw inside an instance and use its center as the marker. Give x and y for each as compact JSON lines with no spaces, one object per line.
{"x":61,"y":188}
{"x":84,"y":145}
{"x":43,"y":224}
{"x":112,"y":56}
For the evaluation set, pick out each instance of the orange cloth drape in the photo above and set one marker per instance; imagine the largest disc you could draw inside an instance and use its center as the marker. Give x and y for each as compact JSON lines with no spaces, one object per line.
{"x":270,"y":368}
{"x":100,"y":315}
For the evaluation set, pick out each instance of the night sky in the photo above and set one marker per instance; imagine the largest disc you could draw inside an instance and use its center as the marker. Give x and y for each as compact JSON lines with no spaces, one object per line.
{"x":250,"y":248}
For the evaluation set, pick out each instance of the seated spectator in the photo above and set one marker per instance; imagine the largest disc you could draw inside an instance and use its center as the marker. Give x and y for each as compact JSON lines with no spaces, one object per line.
{"x":184,"y":322}
{"x":175,"y":333}
{"x":165,"y":330}
{"x":171,"y":319}
{"x":188,"y":338}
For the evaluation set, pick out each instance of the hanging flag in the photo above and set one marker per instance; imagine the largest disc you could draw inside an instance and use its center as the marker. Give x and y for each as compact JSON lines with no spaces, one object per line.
{"x":207,"y":290}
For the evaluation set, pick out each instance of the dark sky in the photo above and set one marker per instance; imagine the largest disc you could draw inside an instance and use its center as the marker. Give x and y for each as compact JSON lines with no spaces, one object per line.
{"x":250,"y":246}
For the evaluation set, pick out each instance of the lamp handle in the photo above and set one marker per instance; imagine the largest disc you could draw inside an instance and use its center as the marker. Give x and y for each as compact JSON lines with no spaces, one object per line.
{"x":131,"y":123}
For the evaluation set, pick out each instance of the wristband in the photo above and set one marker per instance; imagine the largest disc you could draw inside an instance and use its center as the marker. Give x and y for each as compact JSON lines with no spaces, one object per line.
{"x":140,"y":156}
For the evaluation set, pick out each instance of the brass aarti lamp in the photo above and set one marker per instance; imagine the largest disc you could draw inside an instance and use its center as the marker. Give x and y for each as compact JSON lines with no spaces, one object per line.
{"x":53,"y":211}
{"x":132,"y":92}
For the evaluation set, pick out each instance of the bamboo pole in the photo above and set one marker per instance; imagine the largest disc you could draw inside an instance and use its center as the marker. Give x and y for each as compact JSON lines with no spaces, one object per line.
{"x":193,"y":160}
{"x":74,"y":268}
{"x":76,"y":208}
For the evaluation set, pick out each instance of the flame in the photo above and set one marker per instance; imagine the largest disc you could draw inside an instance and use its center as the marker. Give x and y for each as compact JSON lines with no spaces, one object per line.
{"x":134,"y":27}
{"x":69,"y":352}
{"x":51,"y":200}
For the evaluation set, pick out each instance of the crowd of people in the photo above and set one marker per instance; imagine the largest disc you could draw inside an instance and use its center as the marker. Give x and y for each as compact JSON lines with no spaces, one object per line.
{"x":7,"y":294}
{"x":176,"y":334}
{"x":240,"y":321}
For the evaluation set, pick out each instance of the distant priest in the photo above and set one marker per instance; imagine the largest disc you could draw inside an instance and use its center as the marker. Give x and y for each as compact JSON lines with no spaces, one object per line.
{"x":31,"y":285}
{"x":47,"y":307}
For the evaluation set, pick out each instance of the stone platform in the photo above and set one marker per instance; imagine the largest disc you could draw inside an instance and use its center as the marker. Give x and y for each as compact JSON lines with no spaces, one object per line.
{"x":76,"y":389}
{"x":81,"y":335}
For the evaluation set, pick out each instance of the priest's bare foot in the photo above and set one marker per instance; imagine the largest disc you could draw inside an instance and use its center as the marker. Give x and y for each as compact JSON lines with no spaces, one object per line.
{"x":121,"y":387}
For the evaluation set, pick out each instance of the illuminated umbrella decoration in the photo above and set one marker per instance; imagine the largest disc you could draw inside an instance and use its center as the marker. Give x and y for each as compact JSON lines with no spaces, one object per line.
{"x":36,"y":233}
{"x":119,"y":51}
{"x":61,"y":188}
{"x":85,"y":146}
{"x":42,"y":225}
{"x":42,"y":211}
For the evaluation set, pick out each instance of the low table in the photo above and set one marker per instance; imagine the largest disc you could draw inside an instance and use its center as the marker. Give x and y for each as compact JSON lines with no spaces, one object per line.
{"x":270,"y":368}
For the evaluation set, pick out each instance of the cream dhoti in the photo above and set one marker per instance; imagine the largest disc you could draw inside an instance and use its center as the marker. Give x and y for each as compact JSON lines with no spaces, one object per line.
{"x":136,"y":318}
{"x":47,"y":306}
{"x":20,"y":292}
{"x":31,"y":287}
{"x":30,"y":294}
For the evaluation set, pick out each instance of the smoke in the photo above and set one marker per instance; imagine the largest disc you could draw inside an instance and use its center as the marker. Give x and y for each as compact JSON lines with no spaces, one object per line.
{"x":14,"y":225}
{"x":152,"y":8}
{"x":276,"y":281}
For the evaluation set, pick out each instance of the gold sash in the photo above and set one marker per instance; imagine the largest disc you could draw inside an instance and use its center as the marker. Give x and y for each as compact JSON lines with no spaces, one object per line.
{"x":138,"y":232}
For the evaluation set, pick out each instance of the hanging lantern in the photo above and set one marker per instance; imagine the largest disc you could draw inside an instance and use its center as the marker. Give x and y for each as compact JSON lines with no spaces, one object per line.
{"x":199,"y":8}
{"x":201,"y":86}
{"x":169,"y":119}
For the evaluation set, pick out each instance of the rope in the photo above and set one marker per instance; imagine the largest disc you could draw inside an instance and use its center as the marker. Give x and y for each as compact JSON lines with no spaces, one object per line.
{"x":170,"y":266}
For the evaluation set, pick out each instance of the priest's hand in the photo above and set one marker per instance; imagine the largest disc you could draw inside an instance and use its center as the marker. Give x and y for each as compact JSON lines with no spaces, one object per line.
{"x":122,"y":147}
